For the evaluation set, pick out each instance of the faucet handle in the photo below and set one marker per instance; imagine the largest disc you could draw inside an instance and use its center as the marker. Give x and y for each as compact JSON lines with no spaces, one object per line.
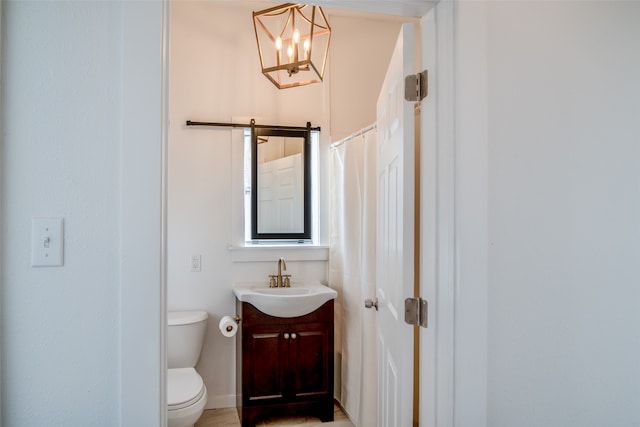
{"x":287,"y":282}
{"x":272,"y":281}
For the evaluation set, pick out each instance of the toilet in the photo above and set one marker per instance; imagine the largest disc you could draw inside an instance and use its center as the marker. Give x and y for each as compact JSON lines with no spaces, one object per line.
{"x":186,"y":392}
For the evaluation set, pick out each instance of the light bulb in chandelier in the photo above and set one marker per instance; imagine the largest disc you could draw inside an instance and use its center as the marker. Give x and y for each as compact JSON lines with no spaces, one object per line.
{"x":307,"y":46}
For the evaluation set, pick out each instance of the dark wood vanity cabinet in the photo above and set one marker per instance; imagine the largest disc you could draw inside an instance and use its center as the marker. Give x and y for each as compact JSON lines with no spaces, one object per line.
{"x":285,"y":365}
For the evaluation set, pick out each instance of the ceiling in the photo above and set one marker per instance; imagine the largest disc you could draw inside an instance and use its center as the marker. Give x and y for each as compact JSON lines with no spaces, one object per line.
{"x":406,"y":8}
{"x":401,"y":8}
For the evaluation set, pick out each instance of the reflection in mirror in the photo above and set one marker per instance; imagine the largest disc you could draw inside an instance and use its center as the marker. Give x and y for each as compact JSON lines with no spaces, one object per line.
{"x":280,"y":190}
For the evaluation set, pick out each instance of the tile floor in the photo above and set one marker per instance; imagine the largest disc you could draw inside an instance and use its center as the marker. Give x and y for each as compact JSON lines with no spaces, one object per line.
{"x":228,"y":417}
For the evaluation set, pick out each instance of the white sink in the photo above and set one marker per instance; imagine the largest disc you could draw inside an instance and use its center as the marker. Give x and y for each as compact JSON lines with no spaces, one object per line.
{"x":298,"y":300}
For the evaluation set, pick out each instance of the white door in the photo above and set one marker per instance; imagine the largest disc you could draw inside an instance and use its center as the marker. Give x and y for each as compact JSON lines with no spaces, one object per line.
{"x":395,"y":238}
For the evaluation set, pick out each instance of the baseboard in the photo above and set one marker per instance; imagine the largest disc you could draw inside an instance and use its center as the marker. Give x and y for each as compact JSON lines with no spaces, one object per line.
{"x":349,"y":417}
{"x":221,"y":401}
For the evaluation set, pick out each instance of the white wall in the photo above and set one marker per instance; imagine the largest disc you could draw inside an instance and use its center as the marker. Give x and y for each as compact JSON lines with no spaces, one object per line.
{"x":563,"y":168}
{"x":81,"y":126}
{"x":60,"y":324}
{"x":215,"y":76}
{"x":359,"y":49}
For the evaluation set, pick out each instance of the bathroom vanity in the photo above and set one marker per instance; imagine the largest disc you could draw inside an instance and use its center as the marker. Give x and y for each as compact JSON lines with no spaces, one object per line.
{"x":284,"y":364}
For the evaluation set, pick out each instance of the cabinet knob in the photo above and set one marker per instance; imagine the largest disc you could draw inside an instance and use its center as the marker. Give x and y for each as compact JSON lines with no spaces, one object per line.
{"x":293,"y":336}
{"x":286,"y":336}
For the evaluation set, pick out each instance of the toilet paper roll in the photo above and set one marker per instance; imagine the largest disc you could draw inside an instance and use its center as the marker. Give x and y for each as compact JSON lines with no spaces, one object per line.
{"x":228,"y":326}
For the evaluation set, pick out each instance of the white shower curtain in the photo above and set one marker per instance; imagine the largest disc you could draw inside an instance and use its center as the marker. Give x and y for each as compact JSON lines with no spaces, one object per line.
{"x":352,"y":274}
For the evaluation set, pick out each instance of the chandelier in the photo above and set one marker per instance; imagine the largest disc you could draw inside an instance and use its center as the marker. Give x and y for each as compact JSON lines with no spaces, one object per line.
{"x":293,"y":42}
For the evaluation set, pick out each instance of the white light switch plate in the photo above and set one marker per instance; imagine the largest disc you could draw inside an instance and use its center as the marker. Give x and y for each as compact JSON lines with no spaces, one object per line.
{"x":47,"y":242}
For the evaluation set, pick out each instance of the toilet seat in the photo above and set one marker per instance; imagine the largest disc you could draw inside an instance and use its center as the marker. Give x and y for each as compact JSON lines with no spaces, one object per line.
{"x":184,"y":388}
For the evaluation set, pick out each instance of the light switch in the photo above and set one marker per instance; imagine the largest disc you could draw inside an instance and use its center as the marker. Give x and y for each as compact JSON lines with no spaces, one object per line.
{"x":47,"y":242}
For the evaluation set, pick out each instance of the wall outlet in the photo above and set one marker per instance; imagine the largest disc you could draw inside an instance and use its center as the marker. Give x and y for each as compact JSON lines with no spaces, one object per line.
{"x":196,"y":263}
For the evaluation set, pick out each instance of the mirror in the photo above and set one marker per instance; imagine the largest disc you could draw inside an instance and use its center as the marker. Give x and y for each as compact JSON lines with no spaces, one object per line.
{"x":280,"y":184}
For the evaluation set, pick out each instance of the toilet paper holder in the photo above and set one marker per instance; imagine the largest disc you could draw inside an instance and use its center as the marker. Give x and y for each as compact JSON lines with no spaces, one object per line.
{"x":229,"y":325}
{"x":237,"y":319}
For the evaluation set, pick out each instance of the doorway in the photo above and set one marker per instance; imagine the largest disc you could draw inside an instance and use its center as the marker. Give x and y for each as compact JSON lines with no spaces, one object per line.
{"x":199,"y":187}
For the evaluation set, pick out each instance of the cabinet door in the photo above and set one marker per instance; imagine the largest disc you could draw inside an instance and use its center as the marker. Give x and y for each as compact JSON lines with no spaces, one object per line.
{"x":310,"y":352}
{"x":266,"y":356}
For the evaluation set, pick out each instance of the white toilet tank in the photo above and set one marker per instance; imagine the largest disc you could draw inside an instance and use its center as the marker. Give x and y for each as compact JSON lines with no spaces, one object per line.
{"x":185,"y":336}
